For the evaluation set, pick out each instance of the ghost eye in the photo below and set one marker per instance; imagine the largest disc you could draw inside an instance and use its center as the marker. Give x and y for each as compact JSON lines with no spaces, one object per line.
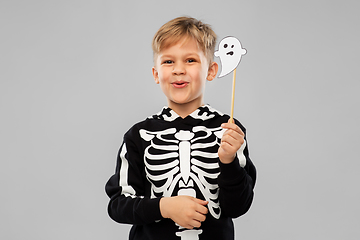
{"x":232,"y":46}
{"x":225,"y":45}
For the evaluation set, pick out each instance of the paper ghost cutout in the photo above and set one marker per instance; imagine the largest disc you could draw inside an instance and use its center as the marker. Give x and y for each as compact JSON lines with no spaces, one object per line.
{"x":230,"y":52}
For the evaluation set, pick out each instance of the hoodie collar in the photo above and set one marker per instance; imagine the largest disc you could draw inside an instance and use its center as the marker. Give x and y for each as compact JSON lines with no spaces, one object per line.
{"x":203,"y":113}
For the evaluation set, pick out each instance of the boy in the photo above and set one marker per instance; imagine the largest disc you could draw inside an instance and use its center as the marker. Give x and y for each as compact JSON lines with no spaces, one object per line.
{"x":185,"y":172}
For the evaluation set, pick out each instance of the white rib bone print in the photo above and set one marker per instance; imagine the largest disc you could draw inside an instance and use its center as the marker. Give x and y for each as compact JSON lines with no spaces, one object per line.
{"x":182,"y":166}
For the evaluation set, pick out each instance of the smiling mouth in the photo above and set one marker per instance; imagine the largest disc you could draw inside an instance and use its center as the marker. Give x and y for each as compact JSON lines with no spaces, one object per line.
{"x":230,"y":53}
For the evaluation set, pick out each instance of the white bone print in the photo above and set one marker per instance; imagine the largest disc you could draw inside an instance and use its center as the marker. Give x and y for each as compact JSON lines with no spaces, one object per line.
{"x":182,"y":165}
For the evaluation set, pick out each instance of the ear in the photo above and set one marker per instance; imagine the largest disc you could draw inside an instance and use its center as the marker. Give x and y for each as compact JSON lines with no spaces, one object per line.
{"x":155,"y":74}
{"x":213,"y":69}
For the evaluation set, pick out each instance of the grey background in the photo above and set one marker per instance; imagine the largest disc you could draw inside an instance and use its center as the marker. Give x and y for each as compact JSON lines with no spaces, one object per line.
{"x":75,"y":75}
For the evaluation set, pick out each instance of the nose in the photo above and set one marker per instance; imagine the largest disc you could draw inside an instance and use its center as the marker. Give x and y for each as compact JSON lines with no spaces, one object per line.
{"x":179,"y":68}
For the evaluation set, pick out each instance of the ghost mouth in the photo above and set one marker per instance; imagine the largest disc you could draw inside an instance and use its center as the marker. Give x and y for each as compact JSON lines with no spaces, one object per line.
{"x":230,"y":53}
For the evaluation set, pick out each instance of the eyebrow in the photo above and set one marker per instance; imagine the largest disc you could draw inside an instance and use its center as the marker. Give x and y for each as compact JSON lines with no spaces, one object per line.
{"x":185,"y":56}
{"x":165,"y":56}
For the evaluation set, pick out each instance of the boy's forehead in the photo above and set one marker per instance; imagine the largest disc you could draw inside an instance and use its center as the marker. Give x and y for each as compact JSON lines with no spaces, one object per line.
{"x":170,"y":42}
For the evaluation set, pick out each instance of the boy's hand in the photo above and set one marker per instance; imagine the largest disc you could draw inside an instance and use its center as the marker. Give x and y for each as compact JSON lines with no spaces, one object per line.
{"x":231,"y":142}
{"x":186,"y":211}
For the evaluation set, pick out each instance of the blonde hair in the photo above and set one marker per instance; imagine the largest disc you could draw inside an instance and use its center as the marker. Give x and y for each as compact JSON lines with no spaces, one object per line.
{"x":185,"y":27}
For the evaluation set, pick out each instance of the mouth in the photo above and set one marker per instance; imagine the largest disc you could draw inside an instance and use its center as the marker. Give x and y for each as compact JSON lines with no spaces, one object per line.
{"x":230,"y":53}
{"x":180,"y":84}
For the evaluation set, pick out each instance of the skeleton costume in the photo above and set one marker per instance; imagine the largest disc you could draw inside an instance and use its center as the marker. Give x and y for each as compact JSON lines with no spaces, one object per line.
{"x":166,"y":155}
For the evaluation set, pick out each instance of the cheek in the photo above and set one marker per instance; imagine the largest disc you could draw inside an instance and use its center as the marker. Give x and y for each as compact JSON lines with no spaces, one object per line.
{"x":202,"y":75}
{"x":199,"y":73}
{"x":164,"y":74}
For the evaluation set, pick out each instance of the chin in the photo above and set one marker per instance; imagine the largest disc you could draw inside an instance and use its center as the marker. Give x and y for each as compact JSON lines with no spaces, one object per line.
{"x":180,"y":100}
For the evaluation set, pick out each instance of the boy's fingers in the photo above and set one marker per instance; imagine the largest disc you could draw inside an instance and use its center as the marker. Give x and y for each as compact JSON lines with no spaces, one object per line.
{"x":234,"y":127}
{"x":201,"y":207}
{"x":233,"y":134}
{"x":194,"y":223}
{"x":203,"y":210}
{"x":199,"y":217}
{"x":202,"y":202}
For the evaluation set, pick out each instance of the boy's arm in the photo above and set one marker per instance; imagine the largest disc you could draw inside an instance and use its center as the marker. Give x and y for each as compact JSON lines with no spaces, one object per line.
{"x":186,"y":211}
{"x":236,"y":183}
{"x":126,"y":190}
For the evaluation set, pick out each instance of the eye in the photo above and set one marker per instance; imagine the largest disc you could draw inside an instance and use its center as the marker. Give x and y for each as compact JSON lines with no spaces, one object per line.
{"x":225,"y":45}
{"x":168,"y":62}
{"x":191,"y":60}
{"x":232,"y":46}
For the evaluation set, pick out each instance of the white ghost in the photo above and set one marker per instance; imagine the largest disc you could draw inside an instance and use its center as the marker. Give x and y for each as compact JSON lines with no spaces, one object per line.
{"x":230,"y":52}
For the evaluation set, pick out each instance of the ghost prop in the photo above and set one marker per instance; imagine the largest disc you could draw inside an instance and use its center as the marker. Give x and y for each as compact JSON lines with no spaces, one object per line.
{"x":230,"y":52}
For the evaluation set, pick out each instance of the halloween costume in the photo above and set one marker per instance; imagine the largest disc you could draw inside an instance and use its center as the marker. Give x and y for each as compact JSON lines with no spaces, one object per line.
{"x":166,"y":155}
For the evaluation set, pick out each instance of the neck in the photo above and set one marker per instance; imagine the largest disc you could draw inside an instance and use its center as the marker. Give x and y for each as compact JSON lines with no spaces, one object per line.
{"x":184,"y":110}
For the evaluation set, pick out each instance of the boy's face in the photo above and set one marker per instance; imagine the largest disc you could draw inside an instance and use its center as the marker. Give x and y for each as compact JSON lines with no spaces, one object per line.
{"x":182,"y":70}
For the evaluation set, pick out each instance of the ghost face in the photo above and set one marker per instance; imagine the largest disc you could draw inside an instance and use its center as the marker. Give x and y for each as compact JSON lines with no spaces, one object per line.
{"x":230,"y":52}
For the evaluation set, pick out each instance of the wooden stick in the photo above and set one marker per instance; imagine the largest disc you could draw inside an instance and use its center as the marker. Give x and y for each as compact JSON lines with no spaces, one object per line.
{"x":233,"y":97}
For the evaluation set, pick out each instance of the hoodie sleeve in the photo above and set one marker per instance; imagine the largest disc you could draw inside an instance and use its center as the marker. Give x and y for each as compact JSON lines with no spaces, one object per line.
{"x":236,"y":182}
{"x":126,"y":188}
